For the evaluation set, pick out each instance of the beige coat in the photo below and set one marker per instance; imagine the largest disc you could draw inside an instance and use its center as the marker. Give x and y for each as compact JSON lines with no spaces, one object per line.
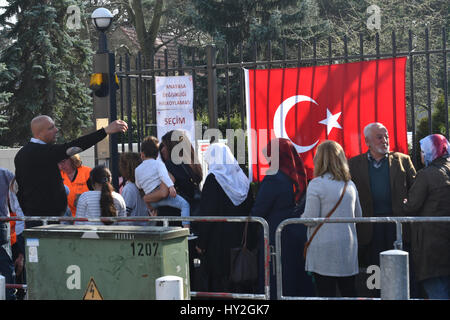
{"x":334,"y":249}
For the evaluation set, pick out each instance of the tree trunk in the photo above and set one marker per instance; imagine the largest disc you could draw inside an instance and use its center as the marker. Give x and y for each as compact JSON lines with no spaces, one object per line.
{"x":146,"y":37}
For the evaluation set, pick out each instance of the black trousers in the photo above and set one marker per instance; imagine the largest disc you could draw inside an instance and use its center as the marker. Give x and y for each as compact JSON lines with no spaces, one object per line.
{"x":326,"y":286}
{"x":17,"y":249}
{"x":6,"y":262}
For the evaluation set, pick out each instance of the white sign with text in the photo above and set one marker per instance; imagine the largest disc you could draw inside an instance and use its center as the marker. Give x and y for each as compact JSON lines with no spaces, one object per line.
{"x":174,"y":105}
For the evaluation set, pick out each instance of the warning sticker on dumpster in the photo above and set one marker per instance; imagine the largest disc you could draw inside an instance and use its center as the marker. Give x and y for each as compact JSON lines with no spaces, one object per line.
{"x":32,"y":245}
{"x":32,"y":242}
{"x":33,"y":254}
{"x":92,"y":292}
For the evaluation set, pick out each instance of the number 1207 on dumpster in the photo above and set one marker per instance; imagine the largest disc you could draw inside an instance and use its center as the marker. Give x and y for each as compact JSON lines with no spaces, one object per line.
{"x":147,"y":249}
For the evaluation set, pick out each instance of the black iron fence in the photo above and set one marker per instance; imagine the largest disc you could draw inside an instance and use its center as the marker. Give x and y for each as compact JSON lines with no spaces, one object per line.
{"x":218,"y":81}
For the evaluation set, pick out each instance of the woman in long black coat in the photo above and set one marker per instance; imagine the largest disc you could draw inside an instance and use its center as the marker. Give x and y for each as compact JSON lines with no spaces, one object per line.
{"x":278,"y":194}
{"x":186,"y":172}
{"x":226,"y":192}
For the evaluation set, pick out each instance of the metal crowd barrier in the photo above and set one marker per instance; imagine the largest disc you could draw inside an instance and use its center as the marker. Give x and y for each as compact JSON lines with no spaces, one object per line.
{"x":398,"y":244}
{"x":166,"y":219}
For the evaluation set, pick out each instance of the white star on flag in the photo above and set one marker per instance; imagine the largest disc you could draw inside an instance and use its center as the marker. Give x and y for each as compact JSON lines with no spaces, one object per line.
{"x":331,"y":121}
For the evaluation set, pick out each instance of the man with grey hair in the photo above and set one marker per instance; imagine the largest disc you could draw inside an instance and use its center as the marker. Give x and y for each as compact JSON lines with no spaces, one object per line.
{"x":382,"y":179}
{"x":41,"y":189}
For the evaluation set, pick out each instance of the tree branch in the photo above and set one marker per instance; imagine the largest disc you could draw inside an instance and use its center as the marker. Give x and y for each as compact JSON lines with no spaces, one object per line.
{"x":139,"y":22}
{"x":154,"y":26}
{"x":8,"y":24}
{"x":173,"y":39}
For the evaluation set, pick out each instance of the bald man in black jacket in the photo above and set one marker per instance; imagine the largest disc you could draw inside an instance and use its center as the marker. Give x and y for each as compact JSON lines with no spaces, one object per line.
{"x":41,"y":189}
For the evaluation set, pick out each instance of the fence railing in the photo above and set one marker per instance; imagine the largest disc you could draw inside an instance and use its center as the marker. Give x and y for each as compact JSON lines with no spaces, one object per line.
{"x":397,"y":244}
{"x":278,"y":264}
{"x":218,"y":81}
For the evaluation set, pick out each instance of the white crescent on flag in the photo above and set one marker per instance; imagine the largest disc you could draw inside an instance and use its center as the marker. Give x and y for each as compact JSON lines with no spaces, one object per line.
{"x":279,"y":120}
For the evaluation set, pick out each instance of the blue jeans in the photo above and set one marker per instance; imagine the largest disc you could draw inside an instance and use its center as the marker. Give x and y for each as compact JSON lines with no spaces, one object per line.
{"x":178,"y":202}
{"x":437,"y":287}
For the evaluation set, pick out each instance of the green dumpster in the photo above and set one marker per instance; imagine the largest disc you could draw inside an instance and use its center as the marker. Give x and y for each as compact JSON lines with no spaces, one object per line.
{"x":103,"y":262}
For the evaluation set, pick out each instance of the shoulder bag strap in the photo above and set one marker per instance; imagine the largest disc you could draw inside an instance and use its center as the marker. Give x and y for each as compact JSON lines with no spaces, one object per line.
{"x":321,"y":224}
{"x":189,"y":174}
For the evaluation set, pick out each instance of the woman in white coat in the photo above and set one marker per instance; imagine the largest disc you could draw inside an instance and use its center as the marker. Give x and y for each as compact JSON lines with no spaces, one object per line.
{"x":332,"y":255}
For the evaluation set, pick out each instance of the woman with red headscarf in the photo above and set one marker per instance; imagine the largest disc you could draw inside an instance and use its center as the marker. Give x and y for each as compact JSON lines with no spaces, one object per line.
{"x":281,"y":189}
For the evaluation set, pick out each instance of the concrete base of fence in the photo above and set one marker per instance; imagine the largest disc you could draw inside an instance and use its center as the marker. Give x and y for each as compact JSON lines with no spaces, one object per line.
{"x":394,"y":282}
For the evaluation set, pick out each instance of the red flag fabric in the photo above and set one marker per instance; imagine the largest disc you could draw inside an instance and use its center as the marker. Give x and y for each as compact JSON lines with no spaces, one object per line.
{"x":311,"y":104}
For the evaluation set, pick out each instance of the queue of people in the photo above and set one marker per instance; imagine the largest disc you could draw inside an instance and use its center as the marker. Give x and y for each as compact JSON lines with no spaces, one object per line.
{"x":165,"y":177}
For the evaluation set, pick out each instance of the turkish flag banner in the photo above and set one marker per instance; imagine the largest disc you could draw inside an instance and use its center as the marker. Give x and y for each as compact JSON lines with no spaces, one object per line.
{"x":335,"y":102}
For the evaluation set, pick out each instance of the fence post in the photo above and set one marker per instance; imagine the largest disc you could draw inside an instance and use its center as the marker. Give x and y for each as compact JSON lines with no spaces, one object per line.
{"x":398,"y":244}
{"x":129,"y":111}
{"x":152,"y":99}
{"x":212,"y":85}
{"x":394,"y":265}
{"x":169,"y":288}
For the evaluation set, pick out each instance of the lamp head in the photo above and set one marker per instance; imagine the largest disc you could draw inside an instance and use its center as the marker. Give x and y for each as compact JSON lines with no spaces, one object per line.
{"x":102,"y":18}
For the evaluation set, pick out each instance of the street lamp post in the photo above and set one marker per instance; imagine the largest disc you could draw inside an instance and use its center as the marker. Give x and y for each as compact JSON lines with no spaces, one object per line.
{"x":102,"y":19}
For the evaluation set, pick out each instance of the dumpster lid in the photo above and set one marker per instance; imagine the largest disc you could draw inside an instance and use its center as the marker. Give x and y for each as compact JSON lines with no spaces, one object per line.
{"x":106,"y":232}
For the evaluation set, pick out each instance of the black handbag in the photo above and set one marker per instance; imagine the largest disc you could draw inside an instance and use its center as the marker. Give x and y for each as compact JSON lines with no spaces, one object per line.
{"x":243,"y":262}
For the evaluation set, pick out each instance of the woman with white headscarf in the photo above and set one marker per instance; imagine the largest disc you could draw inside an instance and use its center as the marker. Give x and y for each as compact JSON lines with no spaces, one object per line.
{"x":226,"y":192}
{"x":429,"y":196}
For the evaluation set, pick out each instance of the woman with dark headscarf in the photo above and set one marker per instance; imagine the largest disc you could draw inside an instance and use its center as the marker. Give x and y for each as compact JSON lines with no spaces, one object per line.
{"x":429,"y":196}
{"x":281,"y":189}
